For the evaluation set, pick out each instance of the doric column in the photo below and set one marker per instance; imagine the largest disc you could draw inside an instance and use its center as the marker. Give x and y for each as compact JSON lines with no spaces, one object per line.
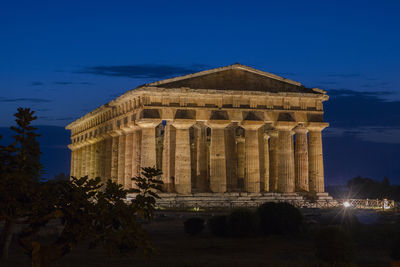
{"x":266,"y":162}
{"x":72,"y":168}
{"x":136,"y":143}
{"x":114,"y":156}
{"x":231,"y":158}
{"x":101,"y":162}
{"x":183,"y":183}
{"x":273,"y":160}
{"x":83,"y":160}
{"x":240,"y":160}
{"x":128,"y":159}
{"x":121,"y":158}
{"x":285,"y":157}
{"x":108,"y":154}
{"x":148,"y":144}
{"x":316,"y":162}
{"x":88,"y":159}
{"x":92,"y":159}
{"x":218,"y":179}
{"x":253,"y":167}
{"x":301,"y":160}
{"x":168,"y":159}
{"x":200,"y":136}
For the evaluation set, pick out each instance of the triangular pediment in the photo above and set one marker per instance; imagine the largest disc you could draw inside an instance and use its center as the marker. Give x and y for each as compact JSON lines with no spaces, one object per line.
{"x":235,"y":77}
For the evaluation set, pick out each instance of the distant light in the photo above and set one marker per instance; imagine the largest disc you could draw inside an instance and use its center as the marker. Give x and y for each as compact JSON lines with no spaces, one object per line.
{"x":346,"y":204}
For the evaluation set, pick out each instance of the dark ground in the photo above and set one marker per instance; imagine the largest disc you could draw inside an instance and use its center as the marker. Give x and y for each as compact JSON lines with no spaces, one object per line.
{"x":175,"y":248}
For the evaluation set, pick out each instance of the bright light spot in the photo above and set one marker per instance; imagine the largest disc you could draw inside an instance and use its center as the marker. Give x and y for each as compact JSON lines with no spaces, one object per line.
{"x":346,"y":204}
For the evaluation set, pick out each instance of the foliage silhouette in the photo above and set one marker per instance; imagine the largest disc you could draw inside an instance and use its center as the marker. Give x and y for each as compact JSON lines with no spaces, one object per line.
{"x":20,"y":170}
{"x":194,"y":226}
{"x":279,"y":218}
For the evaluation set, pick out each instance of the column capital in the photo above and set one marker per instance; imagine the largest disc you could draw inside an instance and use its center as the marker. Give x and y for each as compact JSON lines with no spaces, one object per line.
{"x":218,"y":124}
{"x":252,"y":125}
{"x":148,"y":123}
{"x":183,"y":123}
{"x":317,"y":126}
{"x":285,"y":125}
{"x":130,"y":127}
{"x":300,"y":129}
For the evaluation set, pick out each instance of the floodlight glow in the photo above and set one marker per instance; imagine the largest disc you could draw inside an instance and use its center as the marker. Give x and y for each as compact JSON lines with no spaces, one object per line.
{"x":346,"y":204}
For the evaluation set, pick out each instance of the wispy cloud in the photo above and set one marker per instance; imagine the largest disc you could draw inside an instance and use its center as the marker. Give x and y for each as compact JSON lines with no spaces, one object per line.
{"x":28,"y":100}
{"x":72,"y":83}
{"x":142,"y":70}
{"x":63,"y":83}
{"x":36,"y":83}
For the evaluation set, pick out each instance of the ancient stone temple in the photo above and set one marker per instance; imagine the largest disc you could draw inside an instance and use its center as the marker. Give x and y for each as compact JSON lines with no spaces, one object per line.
{"x":229,"y":129}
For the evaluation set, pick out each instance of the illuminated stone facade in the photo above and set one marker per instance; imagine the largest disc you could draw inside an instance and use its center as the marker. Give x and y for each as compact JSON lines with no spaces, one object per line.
{"x":230,"y":129}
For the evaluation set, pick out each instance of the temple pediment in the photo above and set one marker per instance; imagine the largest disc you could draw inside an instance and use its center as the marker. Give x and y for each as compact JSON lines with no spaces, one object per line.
{"x":237,"y":78}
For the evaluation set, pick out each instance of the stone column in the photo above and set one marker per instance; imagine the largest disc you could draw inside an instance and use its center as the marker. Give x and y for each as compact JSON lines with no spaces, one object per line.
{"x":252,"y":179}
{"x":240,"y":161}
{"x":266,"y":163}
{"x":128,"y":159}
{"x":148,"y":144}
{"x":114,"y":156}
{"x":218,"y":179}
{"x":73,"y":153}
{"x":136,"y":143}
{"x":108,"y":154}
{"x":92,"y":169}
{"x":301,"y":160}
{"x":200,"y":133}
{"x":83,"y":160}
{"x":168,"y":159}
{"x":121,"y":158}
{"x":101,"y":149}
{"x":183,"y":184}
{"x":285,"y":157}
{"x":231,"y":158}
{"x":88,"y":159}
{"x":316,"y":162}
{"x":273,"y":160}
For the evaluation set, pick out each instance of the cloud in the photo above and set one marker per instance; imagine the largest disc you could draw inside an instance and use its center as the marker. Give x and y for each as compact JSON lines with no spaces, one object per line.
{"x":371,"y":116}
{"x":71,"y":83}
{"x":36,"y":83}
{"x":387,"y":135}
{"x":63,"y":83}
{"x":142,"y":70}
{"x":29,"y":100}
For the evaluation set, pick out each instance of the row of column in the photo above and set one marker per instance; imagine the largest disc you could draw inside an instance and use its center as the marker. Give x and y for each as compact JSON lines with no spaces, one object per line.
{"x":258,"y":161}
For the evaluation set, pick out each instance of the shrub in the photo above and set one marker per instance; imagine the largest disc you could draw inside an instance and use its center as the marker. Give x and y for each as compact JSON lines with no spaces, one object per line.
{"x":334,"y":245}
{"x":279,"y":218}
{"x":218,"y":225}
{"x":395,"y":249}
{"x":241,"y":222}
{"x":194,"y":226}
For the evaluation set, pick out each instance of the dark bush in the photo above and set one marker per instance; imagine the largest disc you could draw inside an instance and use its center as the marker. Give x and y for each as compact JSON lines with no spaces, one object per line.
{"x":194,"y":226}
{"x":334,"y":245}
{"x":395,"y":249}
{"x":241,"y":222}
{"x":279,"y":218}
{"x":217,"y":225}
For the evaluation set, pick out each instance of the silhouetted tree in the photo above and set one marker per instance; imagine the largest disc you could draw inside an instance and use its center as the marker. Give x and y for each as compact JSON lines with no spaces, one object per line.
{"x":100,"y":217}
{"x":360,"y":187}
{"x":19,"y":174}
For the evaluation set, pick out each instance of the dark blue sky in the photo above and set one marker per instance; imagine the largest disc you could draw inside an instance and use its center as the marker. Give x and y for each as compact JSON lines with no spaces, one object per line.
{"x":65,"y":58}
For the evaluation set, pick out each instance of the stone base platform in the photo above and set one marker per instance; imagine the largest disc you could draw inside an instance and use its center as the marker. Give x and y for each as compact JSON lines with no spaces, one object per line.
{"x":243,"y":199}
